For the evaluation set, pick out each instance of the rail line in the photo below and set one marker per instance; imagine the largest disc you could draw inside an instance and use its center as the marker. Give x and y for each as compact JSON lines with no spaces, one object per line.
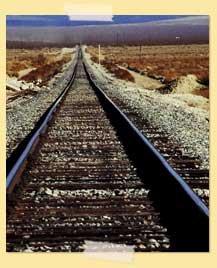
{"x":188,"y":167}
{"x":86,"y":173}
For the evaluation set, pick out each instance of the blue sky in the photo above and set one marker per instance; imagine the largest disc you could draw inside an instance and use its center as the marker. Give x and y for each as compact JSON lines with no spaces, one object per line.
{"x":57,"y":20}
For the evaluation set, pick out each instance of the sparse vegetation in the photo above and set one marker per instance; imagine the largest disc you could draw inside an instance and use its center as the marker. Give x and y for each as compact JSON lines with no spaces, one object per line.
{"x":36,"y":64}
{"x":165,"y":63}
{"x":116,"y":70}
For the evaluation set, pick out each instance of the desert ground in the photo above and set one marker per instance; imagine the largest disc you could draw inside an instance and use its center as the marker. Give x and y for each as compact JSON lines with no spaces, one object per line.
{"x":178,"y":105}
{"x":36,"y":64}
{"x":35,"y":77}
{"x":29,"y":70}
{"x":170,"y":68}
{"x":174,"y":76}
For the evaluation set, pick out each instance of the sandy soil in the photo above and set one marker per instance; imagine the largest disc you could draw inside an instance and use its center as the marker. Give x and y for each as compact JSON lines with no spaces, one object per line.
{"x":31,"y":70}
{"x":144,"y":80}
{"x":162,"y":64}
{"x":25,"y":107}
{"x":34,"y":64}
{"x":184,"y":117}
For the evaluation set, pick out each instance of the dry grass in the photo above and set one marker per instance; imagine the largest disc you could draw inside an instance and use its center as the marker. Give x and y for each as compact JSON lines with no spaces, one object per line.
{"x":42,"y":64}
{"x":45,"y":72}
{"x":113,"y":68}
{"x":164,"y":62}
{"x":118,"y":72}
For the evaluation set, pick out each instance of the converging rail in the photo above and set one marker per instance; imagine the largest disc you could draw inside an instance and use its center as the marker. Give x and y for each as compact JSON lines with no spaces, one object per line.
{"x":87,"y":173}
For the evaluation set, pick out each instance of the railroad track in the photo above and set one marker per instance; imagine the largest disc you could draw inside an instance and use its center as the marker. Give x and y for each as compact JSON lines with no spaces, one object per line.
{"x":188,"y":167}
{"x":87,"y":174}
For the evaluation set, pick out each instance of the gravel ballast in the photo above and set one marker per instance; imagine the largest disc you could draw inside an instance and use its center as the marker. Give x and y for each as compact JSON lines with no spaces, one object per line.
{"x":22,"y":116}
{"x":185,"y":125}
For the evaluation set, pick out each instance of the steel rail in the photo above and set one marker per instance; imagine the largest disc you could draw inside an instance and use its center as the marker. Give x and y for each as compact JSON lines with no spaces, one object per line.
{"x":155,"y":152}
{"x":182,"y":210}
{"x":36,"y":132}
{"x":190,"y":221}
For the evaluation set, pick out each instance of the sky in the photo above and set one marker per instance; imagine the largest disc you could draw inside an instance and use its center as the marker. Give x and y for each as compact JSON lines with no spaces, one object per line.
{"x":64,"y":20}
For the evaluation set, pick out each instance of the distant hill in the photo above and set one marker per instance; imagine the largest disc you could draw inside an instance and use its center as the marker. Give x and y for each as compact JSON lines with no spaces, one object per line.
{"x":192,"y":29}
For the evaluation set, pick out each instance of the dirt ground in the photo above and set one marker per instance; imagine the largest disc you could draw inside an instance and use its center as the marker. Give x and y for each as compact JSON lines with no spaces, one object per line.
{"x":36,"y":64}
{"x":161,"y":64}
{"x":144,"y":80}
{"x":30,"y":70}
